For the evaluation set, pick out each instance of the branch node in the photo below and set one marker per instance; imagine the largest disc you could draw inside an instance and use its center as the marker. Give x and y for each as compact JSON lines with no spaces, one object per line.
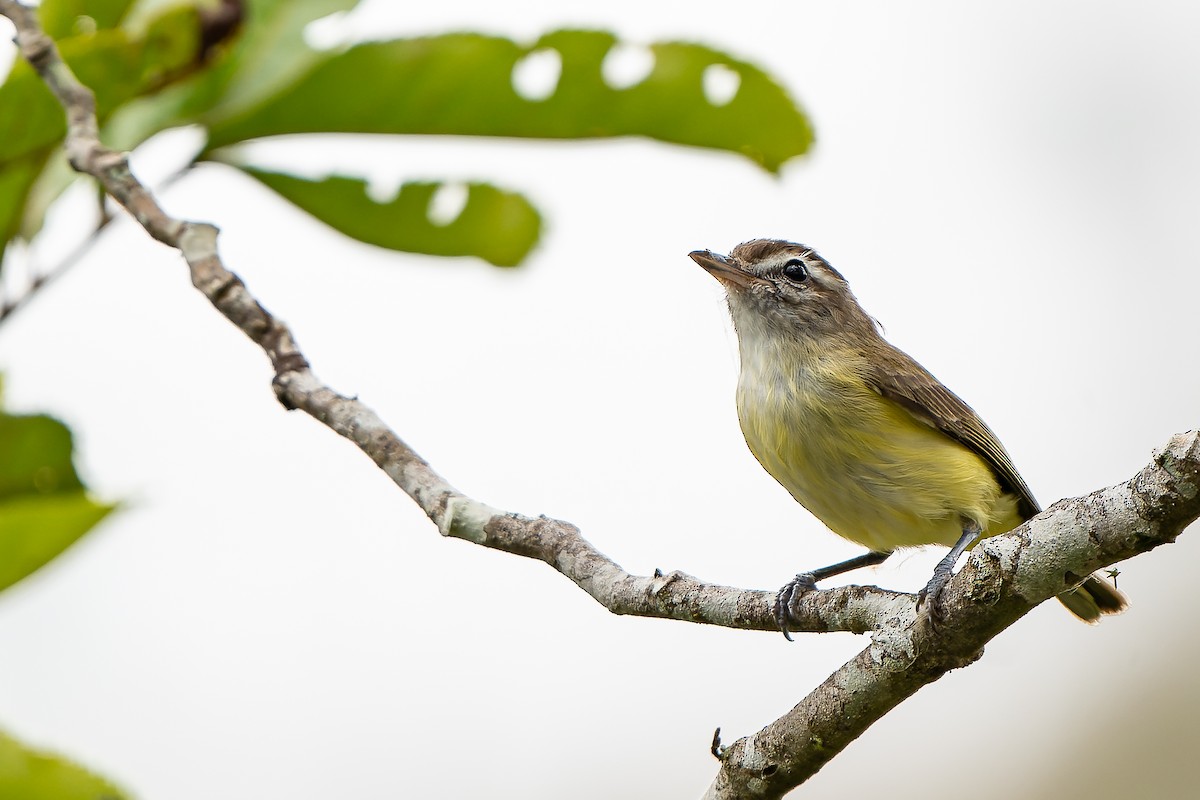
{"x":37,"y":47}
{"x":290,"y":362}
{"x":464,"y":518}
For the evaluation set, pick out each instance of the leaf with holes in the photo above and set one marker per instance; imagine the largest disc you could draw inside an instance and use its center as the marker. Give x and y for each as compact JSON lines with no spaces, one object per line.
{"x":498,"y":226}
{"x":44,"y":507}
{"x":463,"y":84}
{"x":30,"y":774}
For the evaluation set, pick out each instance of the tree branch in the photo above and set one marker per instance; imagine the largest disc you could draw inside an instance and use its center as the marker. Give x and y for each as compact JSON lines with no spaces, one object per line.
{"x":558,"y":543}
{"x":1005,"y":577}
{"x":1003,"y":580}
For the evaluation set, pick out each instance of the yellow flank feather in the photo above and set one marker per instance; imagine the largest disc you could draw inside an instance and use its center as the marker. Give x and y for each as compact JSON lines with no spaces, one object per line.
{"x":862,"y":464}
{"x":862,"y":435}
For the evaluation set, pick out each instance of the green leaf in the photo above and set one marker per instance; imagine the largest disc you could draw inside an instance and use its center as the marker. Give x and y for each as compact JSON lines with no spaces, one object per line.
{"x":35,"y":457}
{"x":56,"y":175}
{"x":34,"y":530}
{"x":115,"y":64}
{"x":462,"y":84}
{"x":268,"y":54}
{"x":28,"y":774}
{"x":272,"y":53}
{"x":16,"y":178}
{"x":498,"y":226}
{"x":44,"y":507}
{"x":268,"y":50}
{"x":63,"y":18}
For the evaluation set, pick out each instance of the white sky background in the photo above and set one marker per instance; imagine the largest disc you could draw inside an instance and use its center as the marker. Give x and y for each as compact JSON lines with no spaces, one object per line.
{"x":1012,"y":190}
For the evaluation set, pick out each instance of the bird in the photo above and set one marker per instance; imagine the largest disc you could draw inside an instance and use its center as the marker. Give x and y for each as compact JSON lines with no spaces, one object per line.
{"x":858,"y":432}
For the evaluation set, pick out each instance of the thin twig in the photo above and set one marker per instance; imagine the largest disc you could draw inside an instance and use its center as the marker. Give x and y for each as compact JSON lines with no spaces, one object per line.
{"x":675,"y":595}
{"x":1005,"y":577}
{"x":43,"y":279}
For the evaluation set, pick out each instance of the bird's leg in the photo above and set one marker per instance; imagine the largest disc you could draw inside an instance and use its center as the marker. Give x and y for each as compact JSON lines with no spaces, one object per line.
{"x":945,"y":568}
{"x":807,"y":582}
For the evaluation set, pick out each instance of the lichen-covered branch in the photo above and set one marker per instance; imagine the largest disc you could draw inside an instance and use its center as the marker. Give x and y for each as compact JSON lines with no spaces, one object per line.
{"x":558,"y":543}
{"x":1003,"y":580}
{"x":1005,"y":577}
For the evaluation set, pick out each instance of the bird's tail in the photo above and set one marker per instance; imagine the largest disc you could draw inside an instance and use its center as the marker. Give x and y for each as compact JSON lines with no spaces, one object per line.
{"x":1094,"y":598}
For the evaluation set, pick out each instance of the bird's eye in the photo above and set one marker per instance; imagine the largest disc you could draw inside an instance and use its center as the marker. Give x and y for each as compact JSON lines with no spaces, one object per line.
{"x":794,"y":270}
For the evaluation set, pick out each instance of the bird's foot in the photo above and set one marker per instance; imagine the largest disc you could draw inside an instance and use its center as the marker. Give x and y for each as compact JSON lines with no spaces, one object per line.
{"x":793,"y":590}
{"x":931,"y":595}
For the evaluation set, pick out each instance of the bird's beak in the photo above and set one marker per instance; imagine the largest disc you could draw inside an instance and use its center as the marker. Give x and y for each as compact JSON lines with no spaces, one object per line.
{"x":721,"y":268}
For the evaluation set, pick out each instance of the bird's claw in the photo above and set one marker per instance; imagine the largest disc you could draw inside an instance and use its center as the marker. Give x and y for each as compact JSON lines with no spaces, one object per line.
{"x":793,"y":590}
{"x":932,"y":594}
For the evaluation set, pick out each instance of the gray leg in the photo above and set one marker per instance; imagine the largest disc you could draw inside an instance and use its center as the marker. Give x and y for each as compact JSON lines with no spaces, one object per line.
{"x":807,"y":582}
{"x":945,"y":568}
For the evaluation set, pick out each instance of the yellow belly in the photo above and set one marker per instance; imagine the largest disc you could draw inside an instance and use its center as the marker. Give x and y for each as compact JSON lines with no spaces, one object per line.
{"x":866,"y":467}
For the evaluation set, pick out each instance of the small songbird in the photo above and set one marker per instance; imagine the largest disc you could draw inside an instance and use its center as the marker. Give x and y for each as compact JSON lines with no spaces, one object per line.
{"x":862,"y":435}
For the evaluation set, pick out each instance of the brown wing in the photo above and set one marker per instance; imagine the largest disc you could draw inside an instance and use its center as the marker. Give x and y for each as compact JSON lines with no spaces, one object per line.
{"x":896,"y":376}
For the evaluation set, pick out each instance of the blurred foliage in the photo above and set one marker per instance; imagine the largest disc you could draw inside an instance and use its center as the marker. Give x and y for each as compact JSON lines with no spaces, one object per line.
{"x":63,"y":18}
{"x":44,"y":507}
{"x":243,"y":70}
{"x":118,"y":65}
{"x":27,"y":774}
{"x":497,"y":226}
{"x":159,"y":66}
